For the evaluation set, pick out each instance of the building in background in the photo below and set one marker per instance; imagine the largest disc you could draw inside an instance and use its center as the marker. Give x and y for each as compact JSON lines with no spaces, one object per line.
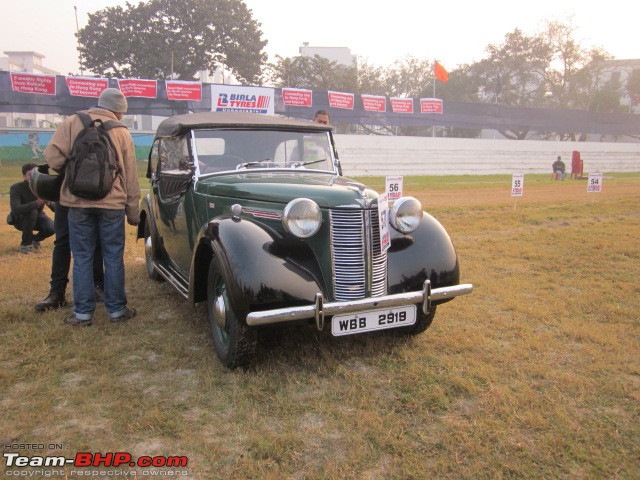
{"x":617,"y":73}
{"x":340,"y":55}
{"x":29,"y":62}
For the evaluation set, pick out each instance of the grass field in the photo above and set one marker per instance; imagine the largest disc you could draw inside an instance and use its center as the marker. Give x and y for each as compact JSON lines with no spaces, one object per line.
{"x":534,"y":375}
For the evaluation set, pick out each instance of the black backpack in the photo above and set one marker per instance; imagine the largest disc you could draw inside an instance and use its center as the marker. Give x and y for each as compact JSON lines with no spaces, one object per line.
{"x":92,"y":166}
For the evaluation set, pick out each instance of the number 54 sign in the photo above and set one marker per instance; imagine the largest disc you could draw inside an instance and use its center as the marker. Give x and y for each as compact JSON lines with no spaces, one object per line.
{"x":595,"y":182}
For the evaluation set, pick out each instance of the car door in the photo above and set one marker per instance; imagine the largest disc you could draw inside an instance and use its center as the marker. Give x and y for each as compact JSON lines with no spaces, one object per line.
{"x":174,"y":194}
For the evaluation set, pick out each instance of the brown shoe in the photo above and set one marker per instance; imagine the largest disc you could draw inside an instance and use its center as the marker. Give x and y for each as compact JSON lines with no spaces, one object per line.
{"x":76,"y":322}
{"x":128,"y":314}
{"x":52,"y":302}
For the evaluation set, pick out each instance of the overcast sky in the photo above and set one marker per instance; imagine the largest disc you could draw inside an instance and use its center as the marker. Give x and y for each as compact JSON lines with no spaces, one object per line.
{"x":454,"y":32}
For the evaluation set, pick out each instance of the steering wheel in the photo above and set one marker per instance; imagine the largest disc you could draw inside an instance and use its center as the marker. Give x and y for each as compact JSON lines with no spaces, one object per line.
{"x":223,"y":162}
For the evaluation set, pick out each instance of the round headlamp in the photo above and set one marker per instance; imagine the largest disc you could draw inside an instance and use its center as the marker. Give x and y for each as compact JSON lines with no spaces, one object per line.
{"x":302,"y":217}
{"x":406,"y":214}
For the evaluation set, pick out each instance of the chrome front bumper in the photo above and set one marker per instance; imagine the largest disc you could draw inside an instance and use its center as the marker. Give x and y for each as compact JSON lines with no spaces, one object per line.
{"x":321,"y":309}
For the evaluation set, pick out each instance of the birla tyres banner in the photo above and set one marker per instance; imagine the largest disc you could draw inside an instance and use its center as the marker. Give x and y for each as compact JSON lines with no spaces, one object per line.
{"x":139,"y":88}
{"x":86,"y":87}
{"x":297,"y":97}
{"x":401,"y":105}
{"x":431,"y":105}
{"x":181,"y":90}
{"x":230,"y":98}
{"x":374,"y":103}
{"x":33,"y":83}
{"x":341,"y":100}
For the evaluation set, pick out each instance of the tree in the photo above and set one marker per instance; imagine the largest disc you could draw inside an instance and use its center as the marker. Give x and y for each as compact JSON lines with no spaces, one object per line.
{"x":164,"y":38}
{"x":313,"y":73}
{"x":633,"y":87}
{"x":408,"y":77}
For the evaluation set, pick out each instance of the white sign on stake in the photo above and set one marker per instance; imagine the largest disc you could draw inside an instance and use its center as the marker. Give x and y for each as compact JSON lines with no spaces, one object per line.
{"x":595,"y":182}
{"x":393,"y":187}
{"x":517,"y":184}
{"x":383,"y":218}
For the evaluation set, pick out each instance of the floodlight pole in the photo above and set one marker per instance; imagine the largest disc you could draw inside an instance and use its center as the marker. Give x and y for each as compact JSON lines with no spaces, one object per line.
{"x":78,"y":39}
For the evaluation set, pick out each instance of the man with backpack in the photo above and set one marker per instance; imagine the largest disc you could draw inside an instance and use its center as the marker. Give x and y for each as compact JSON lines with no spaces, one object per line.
{"x":100,"y":188}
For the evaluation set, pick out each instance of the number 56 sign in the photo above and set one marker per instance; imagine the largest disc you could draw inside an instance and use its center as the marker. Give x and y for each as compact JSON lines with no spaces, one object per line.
{"x":394,"y":188}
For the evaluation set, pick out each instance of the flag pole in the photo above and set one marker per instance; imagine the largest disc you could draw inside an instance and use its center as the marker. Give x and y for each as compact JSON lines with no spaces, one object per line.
{"x":434,"y":80}
{"x":433,"y":127}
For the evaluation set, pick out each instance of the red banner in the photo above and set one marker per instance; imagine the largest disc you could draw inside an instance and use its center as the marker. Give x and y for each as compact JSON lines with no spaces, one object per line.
{"x":401,"y":105}
{"x":33,"y":83}
{"x":139,"y":88}
{"x":86,"y":87}
{"x":431,"y":105}
{"x":374,"y":103}
{"x":180,"y":90}
{"x":297,"y":97}
{"x":341,"y":100}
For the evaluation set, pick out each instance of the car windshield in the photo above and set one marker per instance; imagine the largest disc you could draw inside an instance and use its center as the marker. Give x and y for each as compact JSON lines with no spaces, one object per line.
{"x":235,"y":149}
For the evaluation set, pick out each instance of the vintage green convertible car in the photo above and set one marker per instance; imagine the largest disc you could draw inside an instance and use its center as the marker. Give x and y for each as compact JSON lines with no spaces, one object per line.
{"x":251,"y":214}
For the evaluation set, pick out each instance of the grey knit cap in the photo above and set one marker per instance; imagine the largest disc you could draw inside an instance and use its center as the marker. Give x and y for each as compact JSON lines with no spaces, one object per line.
{"x":113,"y":99}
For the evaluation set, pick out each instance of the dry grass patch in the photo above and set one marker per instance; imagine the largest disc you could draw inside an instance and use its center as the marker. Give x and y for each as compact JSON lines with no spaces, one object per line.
{"x":534,"y":375}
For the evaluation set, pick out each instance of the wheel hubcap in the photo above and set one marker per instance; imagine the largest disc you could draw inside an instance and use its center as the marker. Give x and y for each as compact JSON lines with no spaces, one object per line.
{"x":148,"y":246}
{"x":220,"y":312}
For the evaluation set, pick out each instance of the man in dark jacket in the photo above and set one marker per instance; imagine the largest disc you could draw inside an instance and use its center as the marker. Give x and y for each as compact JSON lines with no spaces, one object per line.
{"x":27,"y":213}
{"x":559,"y":169}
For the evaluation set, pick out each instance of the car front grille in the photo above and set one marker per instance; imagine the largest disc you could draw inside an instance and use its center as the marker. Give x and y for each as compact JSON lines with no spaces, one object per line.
{"x":359,"y":267}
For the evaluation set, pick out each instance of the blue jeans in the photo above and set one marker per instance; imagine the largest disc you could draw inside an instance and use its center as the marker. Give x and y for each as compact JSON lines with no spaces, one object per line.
{"x":88,"y":227}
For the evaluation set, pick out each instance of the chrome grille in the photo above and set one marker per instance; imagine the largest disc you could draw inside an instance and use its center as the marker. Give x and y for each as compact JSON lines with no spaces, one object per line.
{"x":358,"y":265}
{"x":378,"y":259}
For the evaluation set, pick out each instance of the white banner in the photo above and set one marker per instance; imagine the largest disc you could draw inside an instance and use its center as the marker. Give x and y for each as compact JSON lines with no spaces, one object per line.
{"x":383,"y":218}
{"x":229,"y":98}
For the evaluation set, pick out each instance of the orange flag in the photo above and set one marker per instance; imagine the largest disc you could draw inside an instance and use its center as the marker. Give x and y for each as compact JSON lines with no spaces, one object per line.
{"x":440,"y":72}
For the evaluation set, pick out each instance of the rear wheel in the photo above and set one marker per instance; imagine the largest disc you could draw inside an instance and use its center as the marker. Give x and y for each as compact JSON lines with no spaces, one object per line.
{"x":234,"y":341}
{"x":150,"y":252}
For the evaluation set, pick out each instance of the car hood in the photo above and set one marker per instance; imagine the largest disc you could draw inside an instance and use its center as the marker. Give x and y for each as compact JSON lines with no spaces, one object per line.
{"x":328,"y":191}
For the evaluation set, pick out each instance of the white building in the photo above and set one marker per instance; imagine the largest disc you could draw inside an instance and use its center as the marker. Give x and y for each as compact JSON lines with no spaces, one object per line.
{"x":29,"y":62}
{"x":617,"y":73}
{"x":340,"y":55}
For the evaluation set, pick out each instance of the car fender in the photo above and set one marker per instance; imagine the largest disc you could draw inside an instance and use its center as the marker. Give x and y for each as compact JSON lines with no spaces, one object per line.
{"x":260,"y":278}
{"x":427,"y":253}
{"x":146,"y":214}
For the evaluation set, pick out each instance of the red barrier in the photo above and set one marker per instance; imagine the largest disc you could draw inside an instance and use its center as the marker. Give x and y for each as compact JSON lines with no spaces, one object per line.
{"x":577,"y":166}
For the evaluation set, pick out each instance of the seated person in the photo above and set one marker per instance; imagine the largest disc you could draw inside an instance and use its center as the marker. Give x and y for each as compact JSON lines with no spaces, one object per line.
{"x":559,"y":168}
{"x":27,"y":213}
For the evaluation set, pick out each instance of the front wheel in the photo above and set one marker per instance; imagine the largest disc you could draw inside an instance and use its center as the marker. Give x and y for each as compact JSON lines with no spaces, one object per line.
{"x":150,"y":252}
{"x":422,"y":322}
{"x":234,"y":341}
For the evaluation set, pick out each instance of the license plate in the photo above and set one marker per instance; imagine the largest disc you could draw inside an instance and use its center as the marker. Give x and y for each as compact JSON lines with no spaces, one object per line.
{"x":372,"y":320}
